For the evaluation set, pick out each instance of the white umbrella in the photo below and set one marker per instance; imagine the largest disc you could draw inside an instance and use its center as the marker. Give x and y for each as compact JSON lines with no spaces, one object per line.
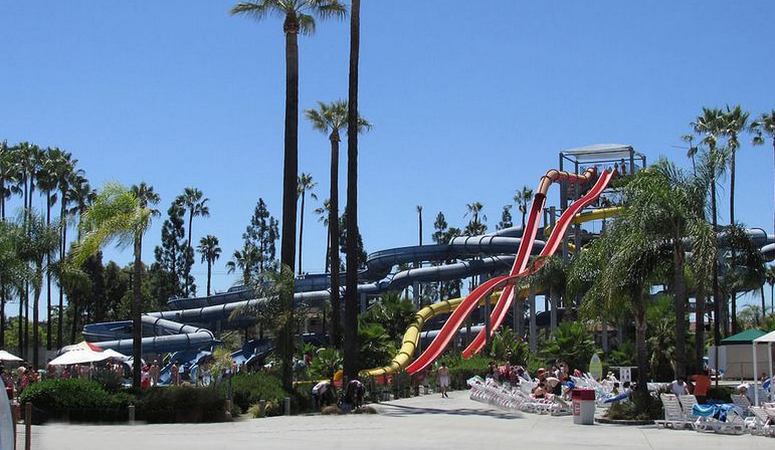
{"x":5,"y":356}
{"x":76,"y":357}
{"x":112,"y":354}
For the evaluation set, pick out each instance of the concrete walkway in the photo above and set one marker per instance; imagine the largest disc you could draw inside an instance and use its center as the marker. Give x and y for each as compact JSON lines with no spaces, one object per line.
{"x":421,"y":422}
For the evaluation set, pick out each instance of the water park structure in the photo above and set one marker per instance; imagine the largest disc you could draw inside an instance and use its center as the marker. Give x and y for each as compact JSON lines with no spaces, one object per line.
{"x":504,"y":259}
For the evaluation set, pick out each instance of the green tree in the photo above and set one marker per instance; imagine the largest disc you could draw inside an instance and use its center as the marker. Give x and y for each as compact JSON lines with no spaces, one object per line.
{"x":522,"y":198}
{"x":174,"y":255}
{"x":476,"y":224}
{"x":324,"y":213}
{"x":331,"y":118}
{"x":262,"y":233}
{"x":770,"y":277}
{"x":765,"y":126}
{"x":210,"y":251}
{"x":552,"y":278}
{"x":506,"y":219}
{"x":119,"y":214}
{"x":393,"y":313}
{"x":572,"y":343}
{"x":691,"y":152}
{"x":306,"y":184}
{"x":194,"y":201}
{"x":246,"y":261}
{"x":298,"y":18}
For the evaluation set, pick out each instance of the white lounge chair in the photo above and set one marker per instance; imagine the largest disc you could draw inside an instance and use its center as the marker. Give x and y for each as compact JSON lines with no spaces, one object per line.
{"x":674,"y":416}
{"x":687,"y":406}
{"x":741,"y":401}
{"x":759,"y":422}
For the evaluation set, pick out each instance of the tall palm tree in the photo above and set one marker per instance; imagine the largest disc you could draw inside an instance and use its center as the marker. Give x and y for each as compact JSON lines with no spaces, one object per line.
{"x":195,"y":202}
{"x":522,"y":198}
{"x":305,"y":184}
{"x":708,"y":125}
{"x":765,"y":126}
{"x":7,"y":174}
{"x":67,"y":175}
{"x":770,"y":278}
{"x":329,"y":119}
{"x":48,"y":184}
{"x":246,"y":261}
{"x":691,"y":152}
{"x":210,"y":251}
{"x":299,"y":17}
{"x":351,"y":360}
{"x":475,"y":225}
{"x":117,"y":214}
{"x":38,"y":243}
{"x":734,"y":122}
{"x":323,"y":212}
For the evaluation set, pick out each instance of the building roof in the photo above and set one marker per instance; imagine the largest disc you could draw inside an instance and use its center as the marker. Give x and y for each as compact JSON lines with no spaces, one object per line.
{"x":745,"y":337}
{"x":608,"y":151}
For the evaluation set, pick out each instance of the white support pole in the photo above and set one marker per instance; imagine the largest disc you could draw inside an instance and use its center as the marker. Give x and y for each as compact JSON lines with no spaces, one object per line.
{"x":772,"y":384}
{"x":755,"y":376}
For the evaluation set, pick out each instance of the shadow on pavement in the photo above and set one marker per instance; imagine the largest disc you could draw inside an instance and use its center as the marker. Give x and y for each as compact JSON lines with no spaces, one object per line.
{"x":403,"y":411}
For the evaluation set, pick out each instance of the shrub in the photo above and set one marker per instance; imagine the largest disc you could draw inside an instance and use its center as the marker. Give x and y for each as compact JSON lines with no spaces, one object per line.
{"x":182,"y":404}
{"x":248,"y":389}
{"x":76,"y":400}
{"x":270,"y":409}
{"x":461,"y":369}
{"x":641,"y":406}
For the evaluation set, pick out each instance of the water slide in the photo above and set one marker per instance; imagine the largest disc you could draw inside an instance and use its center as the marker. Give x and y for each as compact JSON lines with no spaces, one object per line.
{"x":455,"y":321}
{"x":555,"y":239}
{"x":186,"y":328}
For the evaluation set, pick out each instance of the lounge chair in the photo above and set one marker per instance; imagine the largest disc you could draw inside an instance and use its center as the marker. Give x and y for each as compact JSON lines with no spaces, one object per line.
{"x":742,"y":402}
{"x":759,"y":422}
{"x":687,"y":406}
{"x":674,"y":417}
{"x":726,"y":419}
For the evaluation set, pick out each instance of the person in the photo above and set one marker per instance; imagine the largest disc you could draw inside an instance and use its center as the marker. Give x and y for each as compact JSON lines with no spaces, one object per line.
{"x":443,"y":379}
{"x":701,"y":385}
{"x":540,"y":390}
{"x":353,"y":395}
{"x":155,"y":372}
{"x":541,"y":374}
{"x":745,"y":389}
{"x":145,"y":378}
{"x":678,"y":386}
{"x":174,"y":374}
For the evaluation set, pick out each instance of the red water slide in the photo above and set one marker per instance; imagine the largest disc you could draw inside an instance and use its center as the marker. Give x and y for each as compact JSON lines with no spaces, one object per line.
{"x":455,"y":320}
{"x":501,"y":309}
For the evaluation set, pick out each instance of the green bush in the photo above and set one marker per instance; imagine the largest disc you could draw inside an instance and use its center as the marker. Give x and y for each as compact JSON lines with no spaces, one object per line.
{"x":248,"y":389}
{"x":176,"y":404}
{"x":461,"y":369}
{"x":722,"y":393}
{"x":75,"y":400}
{"x":641,"y":406}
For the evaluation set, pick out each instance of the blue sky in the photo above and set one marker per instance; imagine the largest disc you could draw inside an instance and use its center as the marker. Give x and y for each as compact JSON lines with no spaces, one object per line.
{"x":469,"y":102}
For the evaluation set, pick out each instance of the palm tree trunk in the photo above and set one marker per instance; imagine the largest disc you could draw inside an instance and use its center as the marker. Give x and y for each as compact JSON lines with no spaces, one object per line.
{"x":732,"y":188}
{"x":351,"y":281}
{"x":48,"y":276}
{"x":62,"y":254}
{"x":35,"y":317}
{"x":553,"y":296}
{"x":640,"y":345}
{"x":137,"y":299}
{"x":679,"y":294}
{"x":764,"y":307}
{"x":290,"y":184}
{"x":301,"y":227}
{"x":333,"y":239}
{"x":209,"y":275}
{"x":699,"y":334}
{"x":188,"y":267}
{"x":21,"y":326}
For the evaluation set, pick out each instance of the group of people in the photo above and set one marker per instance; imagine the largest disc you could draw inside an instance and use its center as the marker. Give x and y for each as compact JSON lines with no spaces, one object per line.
{"x":697,"y":385}
{"x":14,"y":382}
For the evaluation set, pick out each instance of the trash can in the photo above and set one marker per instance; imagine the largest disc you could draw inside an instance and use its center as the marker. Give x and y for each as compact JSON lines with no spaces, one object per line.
{"x":583,"y":406}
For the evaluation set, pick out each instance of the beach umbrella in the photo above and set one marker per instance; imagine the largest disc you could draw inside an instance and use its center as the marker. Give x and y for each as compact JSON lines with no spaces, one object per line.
{"x":7,"y":357}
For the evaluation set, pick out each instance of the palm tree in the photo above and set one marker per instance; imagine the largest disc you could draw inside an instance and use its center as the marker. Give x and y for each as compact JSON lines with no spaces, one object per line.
{"x":522,"y":198}
{"x":305,"y":184}
{"x":770,"y":278}
{"x":38,"y":243}
{"x":7,"y":174}
{"x":117,"y":213}
{"x":735,"y":121}
{"x":353,"y":125}
{"x":709,"y":125}
{"x":210,"y":251}
{"x":552,"y":277}
{"x":324,"y":212}
{"x":48,"y":184}
{"x":66,"y":175}
{"x":298,"y":18}
{"x":765,"y":125}
{"x":196,"y":204}
{"x":246,"y":261}
{"x":475,"y":225}
{"x":329,"y":119}
{"x":691,"y":152}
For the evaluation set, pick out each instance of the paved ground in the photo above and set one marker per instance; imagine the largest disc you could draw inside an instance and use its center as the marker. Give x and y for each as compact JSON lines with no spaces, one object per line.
{"x":421,"y":422}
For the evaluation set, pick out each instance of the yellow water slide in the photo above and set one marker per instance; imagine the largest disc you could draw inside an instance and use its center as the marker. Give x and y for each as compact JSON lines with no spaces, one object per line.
{"x":412,"y":334}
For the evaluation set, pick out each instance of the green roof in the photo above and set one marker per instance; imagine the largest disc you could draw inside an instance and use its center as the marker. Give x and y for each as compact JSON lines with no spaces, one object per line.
{"x":745,"y":337}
